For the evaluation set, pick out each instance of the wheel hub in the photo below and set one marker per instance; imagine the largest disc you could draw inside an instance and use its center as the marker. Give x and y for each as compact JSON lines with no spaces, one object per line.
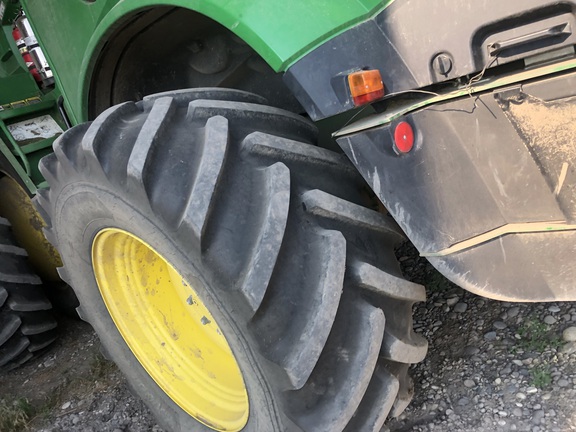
{"x":170,"y":330}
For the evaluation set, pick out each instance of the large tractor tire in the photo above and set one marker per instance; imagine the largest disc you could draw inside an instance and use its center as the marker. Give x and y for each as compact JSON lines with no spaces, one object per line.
{"x":27,"y":228}
{"x":231,"y":268}
{"x":27,"y":325}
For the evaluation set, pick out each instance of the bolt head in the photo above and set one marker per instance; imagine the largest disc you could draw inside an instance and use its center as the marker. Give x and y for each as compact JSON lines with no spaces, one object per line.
{"x":442,"y":64}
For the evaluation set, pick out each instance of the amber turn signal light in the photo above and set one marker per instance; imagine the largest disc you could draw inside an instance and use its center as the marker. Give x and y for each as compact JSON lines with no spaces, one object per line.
{"x":366,"y":86}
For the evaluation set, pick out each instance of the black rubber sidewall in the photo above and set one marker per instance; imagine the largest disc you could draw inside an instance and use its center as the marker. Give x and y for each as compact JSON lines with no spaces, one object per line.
{"x":80,"y":212}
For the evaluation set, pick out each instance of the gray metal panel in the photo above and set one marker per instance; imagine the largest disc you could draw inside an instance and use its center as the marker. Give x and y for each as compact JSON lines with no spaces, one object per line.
{"x":462,"y":29}
{"x":469,"y":172}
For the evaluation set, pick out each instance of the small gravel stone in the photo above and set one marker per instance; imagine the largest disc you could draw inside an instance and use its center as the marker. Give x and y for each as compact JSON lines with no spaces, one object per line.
{"x":531,"y":390}
{"x":569,"y":334}
{"x":499,"y":325}
{"x":460,"y":307}
{"x":452,"y":301}
{"x":554,"y":309}
{"x":469,"y":351}
{"x":537,"y":417}
{"x":490,"y":336}
{"x":520,"y":396}
{"x":549,"y":319}
{"x":65,"y":405}
{"x":513,"y":312}
{"x":563,"y":382}
{"x":469,"y":383}
{"x":568,"y":348}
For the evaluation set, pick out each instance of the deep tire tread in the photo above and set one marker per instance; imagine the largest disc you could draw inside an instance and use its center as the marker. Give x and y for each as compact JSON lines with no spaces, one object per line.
{"x":150,"y":136}
{"x":24,"y":298}
{"x":49,"y":168}
{"x":66,"y":148}
{"x":405,"y":390}
{"x":3,"y":296}
{"x":377,"y":404}
{"x":410,"y":349}
{"x":349,"y":215}
{"x":352,"y":352}
{"x":20,"y":278}
{"x":307,"y":342}
{"x":12,"y":349}
{"x":24,"y":310}
{"x":197,"y":210}
{"x":19,"y":360}
{"x":41,"y":200}
{"x":39,"y":342}
{"x":265,"y":255}
{"x":296,"y":154}
{"x":94,"y":138}
{"x":9,"y":324}
{"x":288,"y":124}
{"x":14,"y":250}
{"x":184,"y":97}
{"x":38,"y":323}
{"x":372,"y":279}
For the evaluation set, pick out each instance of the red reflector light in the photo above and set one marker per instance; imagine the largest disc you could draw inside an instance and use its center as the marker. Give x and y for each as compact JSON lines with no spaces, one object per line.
{"x":366,"y":86}
{"x":403,"y":137}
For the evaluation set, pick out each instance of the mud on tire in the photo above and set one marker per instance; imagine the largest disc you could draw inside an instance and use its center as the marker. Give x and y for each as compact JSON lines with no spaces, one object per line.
{"x":300,"y":272}
{"x":27,"y":325}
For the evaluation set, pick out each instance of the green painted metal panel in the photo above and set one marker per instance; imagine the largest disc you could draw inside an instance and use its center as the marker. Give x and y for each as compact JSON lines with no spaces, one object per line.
{"x":24,"y":156}
{"x":5,"y":151}
{"x":18,"y":87}
{"x":280,"y":31}
{"x":16,"y":82}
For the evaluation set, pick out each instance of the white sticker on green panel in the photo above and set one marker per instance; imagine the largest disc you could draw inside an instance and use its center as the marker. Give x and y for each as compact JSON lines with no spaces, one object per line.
{"x":33,"y":129}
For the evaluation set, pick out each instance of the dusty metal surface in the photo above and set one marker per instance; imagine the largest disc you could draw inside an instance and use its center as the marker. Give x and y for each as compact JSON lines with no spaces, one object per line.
{"x":549,"y":131}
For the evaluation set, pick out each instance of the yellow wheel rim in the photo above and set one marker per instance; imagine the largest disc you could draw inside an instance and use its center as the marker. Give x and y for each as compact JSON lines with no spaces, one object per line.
{"x":170,"y":330}
{"x":27,"y":224}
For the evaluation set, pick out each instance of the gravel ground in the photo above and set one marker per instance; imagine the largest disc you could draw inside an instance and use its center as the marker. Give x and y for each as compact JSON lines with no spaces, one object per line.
{"x":73,"y":388}
{"x":491,"y":366}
